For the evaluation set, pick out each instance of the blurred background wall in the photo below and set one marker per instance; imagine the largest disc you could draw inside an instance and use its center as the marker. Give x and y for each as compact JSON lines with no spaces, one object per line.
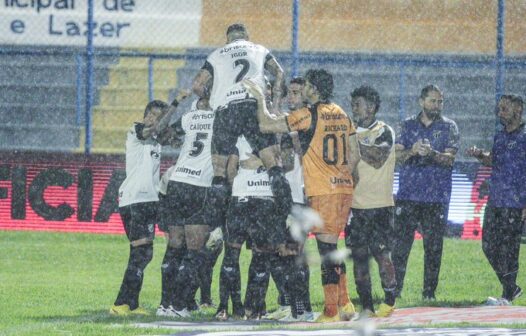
{"x":62,"y":92}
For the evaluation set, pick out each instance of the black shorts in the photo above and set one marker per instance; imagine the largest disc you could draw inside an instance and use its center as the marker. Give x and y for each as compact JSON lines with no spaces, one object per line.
{"x":371,"y":228}
{"x":254,"y":219}
{"x":239,"y":118}
{"x":139,"y":220}
{"x":182,"y":205}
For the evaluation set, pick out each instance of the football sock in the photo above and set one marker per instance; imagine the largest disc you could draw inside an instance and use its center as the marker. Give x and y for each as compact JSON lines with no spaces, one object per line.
{"x":277,"y":270}
{"x":131,"y":285}
{"x":257,"y":283}
{"x":169,"y":268}
{"x":230,"y":278}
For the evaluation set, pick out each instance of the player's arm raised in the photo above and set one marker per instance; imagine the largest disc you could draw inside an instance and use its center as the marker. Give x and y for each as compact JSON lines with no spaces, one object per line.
{"x":268,"y":123}
{"x":276,"y":70}
{"x":161,"y":126}
{"x":165,"y":121}
{"x":201,"y":82}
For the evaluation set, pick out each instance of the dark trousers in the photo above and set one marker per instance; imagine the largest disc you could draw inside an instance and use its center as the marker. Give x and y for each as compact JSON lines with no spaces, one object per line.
{"x":501,"y":242}
{"x":430,"y":220}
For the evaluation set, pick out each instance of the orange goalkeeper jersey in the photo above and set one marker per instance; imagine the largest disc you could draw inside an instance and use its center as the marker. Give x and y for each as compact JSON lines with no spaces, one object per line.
{"x":324,"y":131}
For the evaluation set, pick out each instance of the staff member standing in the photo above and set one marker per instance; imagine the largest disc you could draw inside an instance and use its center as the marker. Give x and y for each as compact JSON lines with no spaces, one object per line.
{"x":426,"y":151}
{"x":506,"y":209}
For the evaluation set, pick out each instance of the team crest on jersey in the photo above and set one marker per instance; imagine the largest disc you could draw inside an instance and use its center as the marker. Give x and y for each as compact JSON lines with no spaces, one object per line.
{"x":512,"y":144}
{"x":365,"y":141}
{"x":436,"y":134}
{"x":155,"y":155}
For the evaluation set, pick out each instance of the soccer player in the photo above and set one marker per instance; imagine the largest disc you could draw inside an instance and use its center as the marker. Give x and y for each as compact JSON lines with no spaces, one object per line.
{"x":246,"y":173}
{"x":207,"y":271}
{"x":235,"y":110}
{"x":251,"y":216}
{"x":212,"y":248}
{"x":371,"y":224}
{"x":505,"y":212}
{"x":328,"y":140}
{"x":426,"y":151}
{"x":289,"y":268}
{"x":184,"y":216}
{"x":138,"y":200}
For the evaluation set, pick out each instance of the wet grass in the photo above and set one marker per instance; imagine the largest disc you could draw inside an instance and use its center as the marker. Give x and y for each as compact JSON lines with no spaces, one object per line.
{"x":64,"y":284}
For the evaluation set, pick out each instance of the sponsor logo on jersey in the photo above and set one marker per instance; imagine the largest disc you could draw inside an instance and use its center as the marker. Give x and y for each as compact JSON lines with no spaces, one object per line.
{"x":188,"y":171}
{"x":203,"y":116}
{"x":297,"y":122}
{"x":332,"y":116}
{"x":336,"y":180}
{"x":234,"y":47}
{"x":260,"y":183}
{"x":236,"y":92}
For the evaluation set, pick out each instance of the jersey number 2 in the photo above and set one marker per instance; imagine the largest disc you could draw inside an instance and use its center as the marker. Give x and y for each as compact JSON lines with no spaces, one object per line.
{"x":198,"y":145}
{"x":245,"y":66}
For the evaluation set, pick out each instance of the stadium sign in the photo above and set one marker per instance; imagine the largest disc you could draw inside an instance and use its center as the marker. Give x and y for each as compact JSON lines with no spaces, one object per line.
{"x":61,"y":192}
{"x":117,"y":23}
{"x":74,"y":192}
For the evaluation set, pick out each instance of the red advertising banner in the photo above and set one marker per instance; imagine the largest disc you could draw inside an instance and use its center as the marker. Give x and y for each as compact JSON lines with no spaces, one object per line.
{"x":78,"y":193}
{"x":61,"y":192}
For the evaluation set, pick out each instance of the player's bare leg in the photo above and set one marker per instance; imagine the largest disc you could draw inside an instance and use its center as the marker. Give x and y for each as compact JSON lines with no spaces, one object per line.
{"x":271,"y":156}
{"x":219,"y":162}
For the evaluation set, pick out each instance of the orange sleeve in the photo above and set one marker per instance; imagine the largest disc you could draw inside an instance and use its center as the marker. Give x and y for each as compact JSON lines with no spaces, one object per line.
{"x":299,"y":120}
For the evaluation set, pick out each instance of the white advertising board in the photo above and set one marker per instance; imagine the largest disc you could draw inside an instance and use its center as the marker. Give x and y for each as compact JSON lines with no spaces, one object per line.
{"x":118,"y":23}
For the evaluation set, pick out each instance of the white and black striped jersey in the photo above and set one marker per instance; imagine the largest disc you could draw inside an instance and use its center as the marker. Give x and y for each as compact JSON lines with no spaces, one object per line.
{"x":250,"y":182}
{"x":194,"y":165}
{"x":143,"y":160}
{"x":230,"y":64}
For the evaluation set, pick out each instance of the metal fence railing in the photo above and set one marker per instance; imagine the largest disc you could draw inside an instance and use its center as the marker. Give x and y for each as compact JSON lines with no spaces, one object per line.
{"x":98,"y":52}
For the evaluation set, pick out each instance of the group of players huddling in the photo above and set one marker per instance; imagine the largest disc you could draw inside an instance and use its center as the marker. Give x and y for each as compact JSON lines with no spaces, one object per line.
{"x":250,"y":171}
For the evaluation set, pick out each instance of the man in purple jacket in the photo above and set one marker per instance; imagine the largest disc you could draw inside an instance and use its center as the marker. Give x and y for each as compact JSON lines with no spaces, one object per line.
{"x":505,"y":212}
{"x":426,"y":151}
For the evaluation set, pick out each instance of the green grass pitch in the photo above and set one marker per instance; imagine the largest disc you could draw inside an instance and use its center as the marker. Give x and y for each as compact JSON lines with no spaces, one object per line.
{"x":64,"y":283}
